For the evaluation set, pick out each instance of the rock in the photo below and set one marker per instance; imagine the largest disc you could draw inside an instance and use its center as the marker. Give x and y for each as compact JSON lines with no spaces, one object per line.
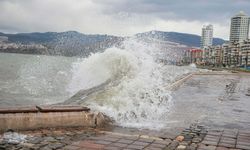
{"x":196,"y":140}
{"x":50,"y":139}
{"x":56,"y":145}
{"x":3,"y":147}
{"x":185,"y":143}
{"x":102,"y":120}
{"x":28,"y":145}
{"x":46,"y":148}
{"x":181,"y":147}
{"x":60,"y":138}
{"x":66,"y":141}
{"x":180,"y":138}
{"x":193,"y":146}
{"x":35,"y":140}
{"x":173,"y":145}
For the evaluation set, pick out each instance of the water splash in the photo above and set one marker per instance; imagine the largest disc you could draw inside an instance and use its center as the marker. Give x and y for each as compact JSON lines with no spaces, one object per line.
{"x":135,"y":95}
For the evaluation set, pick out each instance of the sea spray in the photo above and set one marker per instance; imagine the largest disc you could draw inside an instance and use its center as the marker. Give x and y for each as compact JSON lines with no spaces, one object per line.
{"x":136,"y":96}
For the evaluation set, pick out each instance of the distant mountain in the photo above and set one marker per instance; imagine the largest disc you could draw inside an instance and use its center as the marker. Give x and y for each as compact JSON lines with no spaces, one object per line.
{"x":181,"y":38}
{"x":72,"y":43}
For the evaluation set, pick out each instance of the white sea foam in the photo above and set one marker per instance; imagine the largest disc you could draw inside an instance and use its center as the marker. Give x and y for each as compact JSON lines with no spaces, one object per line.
{"x":136,"y":96}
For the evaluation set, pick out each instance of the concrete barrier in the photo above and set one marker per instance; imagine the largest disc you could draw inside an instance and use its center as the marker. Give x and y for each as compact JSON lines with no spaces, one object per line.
{"x":177,"y":83}
{"x":49,"y":117}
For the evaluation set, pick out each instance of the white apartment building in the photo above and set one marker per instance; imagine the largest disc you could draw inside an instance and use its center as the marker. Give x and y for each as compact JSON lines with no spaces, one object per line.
{"x":206,"y":36}
{"x":239,"y":27}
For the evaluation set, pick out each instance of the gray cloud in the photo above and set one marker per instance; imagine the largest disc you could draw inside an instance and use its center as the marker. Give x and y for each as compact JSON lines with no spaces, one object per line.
{"x":118,"y":17}
{"x":203,"y":10}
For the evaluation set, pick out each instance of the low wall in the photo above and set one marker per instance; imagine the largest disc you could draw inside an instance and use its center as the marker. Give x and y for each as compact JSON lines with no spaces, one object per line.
{"x":28,"y":118}
{"x":179,"y":82}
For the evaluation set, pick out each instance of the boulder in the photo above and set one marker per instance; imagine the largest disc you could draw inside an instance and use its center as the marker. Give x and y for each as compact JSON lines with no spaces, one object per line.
{"x":101,"y":120}
{"x":180,"y":138}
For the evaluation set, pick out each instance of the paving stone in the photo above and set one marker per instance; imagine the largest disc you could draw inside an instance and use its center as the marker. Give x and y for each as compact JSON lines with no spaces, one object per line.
{"x":88,"y":144}
{"x":212,"y":137}
{"x":112,"y":148}
{"x":132,"y":146}
{"x":153,"y":148}
{"x":71,"y":147}
{"x":167,"y":141}
{"x":222,"y":148}
{"x":119,"y":144}
{"x":214,"y":133}
{"x":228,"y":140}
{"x":103,"y":142}
{"x":145,"y":140}
{"x":243,"y":147}
{"x":247,"y":143}
{"x":243,"y":140}
{"x":215,"y":143}
{"x":229,"y":135}
{"x":204,"y":147}
{"x":111,"y":139}
{"x":125,"y":141}
{"x":173,"y":145}
{"x":226,"y":145}
{"x":158,"y":145}
{"x":131,"y":137}
{"x":140,"y":143}
{"x":243,"y":137}
{"x":244,"y":131}
{"x":244,"y":134}
{"x":96,"y":138}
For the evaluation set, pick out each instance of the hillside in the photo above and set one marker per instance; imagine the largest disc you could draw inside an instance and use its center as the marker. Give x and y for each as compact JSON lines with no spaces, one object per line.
{"x":181,"y":38}
{"x":70,"y":43}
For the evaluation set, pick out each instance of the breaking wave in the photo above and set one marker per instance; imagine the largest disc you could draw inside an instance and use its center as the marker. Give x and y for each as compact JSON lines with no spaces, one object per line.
{"x":127,"y":84}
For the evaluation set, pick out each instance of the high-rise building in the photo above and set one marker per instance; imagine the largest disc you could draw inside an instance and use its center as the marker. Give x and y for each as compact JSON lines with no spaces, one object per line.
{"x":239,"y":27}
{"x":206,"y":36}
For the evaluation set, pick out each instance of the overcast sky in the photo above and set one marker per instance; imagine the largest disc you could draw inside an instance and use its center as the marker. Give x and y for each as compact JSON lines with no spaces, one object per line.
{"x":119,"y":17}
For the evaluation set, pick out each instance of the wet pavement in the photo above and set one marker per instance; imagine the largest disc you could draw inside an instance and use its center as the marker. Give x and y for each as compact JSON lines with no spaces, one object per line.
{"x":212,"y":100}
{"x":192,"y":138}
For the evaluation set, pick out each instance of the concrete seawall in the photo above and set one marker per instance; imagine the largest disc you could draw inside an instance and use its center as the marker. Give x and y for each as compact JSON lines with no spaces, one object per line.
{"x":27,"y":118}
